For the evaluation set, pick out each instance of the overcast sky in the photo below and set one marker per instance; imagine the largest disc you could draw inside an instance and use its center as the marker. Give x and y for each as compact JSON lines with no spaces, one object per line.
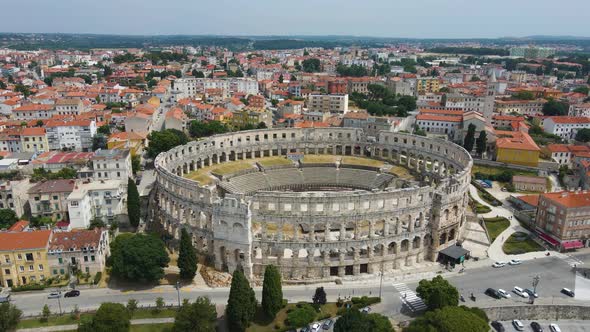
{"x":382,"y":18}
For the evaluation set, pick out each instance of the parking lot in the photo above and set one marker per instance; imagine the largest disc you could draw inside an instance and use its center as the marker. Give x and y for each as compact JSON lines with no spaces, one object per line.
{"x":564,"y":325}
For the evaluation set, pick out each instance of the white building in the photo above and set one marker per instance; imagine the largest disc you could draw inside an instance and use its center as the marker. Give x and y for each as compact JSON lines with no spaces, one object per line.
{"x":104,"y":199}
{"x":565,"y":127}
{"x":440,"y":124}
{"x":330,"y":103}
{"x":192,"y":87}
{"x":112,"y":165}
{"x":580,"y":110}
{"x":75,"y":135}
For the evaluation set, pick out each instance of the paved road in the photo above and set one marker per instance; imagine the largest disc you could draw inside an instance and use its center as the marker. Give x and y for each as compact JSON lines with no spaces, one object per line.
{"x":564,"y":325}
{"x":555,"y":273}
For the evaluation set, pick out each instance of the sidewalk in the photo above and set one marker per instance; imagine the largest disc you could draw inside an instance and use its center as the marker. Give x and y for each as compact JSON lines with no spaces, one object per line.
{"x":74,"y":327}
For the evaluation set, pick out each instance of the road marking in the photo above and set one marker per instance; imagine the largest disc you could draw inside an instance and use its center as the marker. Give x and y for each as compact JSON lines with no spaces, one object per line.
{"x":409,"y":297}
{"x":572,"y":261}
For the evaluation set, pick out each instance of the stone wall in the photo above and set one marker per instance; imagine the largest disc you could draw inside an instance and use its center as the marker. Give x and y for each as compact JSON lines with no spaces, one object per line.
{"x":538,"y":312}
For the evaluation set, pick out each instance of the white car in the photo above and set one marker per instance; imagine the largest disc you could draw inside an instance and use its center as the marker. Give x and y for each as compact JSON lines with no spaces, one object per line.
{"x":503,"y":293}
{"x":315,"y":327}
{"x":520,"y":292}
{"x":53,"y":295}
{"x":515,"y":262}
{"x":518,"y":325}
{"x":499,"y":264}
{"x":554,"y":328}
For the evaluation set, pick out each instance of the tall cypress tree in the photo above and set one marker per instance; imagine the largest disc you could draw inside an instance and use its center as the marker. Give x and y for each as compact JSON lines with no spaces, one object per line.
{"x":482,"y":141}
{"x":241,"y":305}
{"x":187,"y":257}
{"x":469,"y":138}
{"x":132,"y":203}
{"x":272,"y":291}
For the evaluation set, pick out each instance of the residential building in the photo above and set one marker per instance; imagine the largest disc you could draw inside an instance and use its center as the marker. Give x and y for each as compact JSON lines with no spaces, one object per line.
{"x":334,"y":104}
{"x":427,"y":84}
{"x":14,"y":196}
{"x":138,"y":122}
{"x":112,"y":164}
{"x":23,"y":257}
{"x":516,"y":147}
{"x":579,"y":110}
{"x":565,"y":127}
{"x":103,"y":199}
{"x":56,"y":160}
{"x":440,"y":124}
{"x":563,"y":219}
{"x":529,"y":183}
{"x":78,"y":250}
{"x":33,"y":112}
{"x":71,"y":135}
{"x":34,"y":139}
{"x":49,"y":199}
{"x":176,"y":119}
{"x":71,"y":106}
{"x":520,"y":107}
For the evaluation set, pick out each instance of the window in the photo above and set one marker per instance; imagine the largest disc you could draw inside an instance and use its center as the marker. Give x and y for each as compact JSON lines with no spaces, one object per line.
{"x":29,"y":257}
{"x":303,"y":207}
{"x":287,"y":207}
{"x":6,"y":271}
{"x":60,"y":260}
{"x":92,"y":258}
{"x":54,"y":271}
{"x":74,"y":203}
{"x":19,"y":256}
{"x":31,"y":268}
{"x":7,"y":258}
{"x":86,"y":258}
{"x":21,"y":268}
{"x":55,"y":198}
{"x":40,"y":267}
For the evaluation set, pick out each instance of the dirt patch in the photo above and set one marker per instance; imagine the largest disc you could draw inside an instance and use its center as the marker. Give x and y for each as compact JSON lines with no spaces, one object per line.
{"x":214,"y":278}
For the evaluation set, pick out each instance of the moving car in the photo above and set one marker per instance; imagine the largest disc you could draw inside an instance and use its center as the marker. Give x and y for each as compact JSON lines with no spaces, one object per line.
{"x":568,"y":292}
{"x":531,"y":292}
{"x":515,"y":262}
{"x":493,"y":293}
{"x":554,"y":328}
{"x":503,"y":293}
{"x":536,"y":327}
{"x":72,"y":293}
{"x":518,"y":325}
{"x":499,"y":264}
{"x":520,"y":292}
{"x":53,"y":295}
{"x":327,"y":324}
{"x":498,"y":326}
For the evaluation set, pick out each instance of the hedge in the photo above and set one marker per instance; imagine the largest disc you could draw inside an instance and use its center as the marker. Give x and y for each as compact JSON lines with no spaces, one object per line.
{"x":28,"y":287}
{"x":97,"y":277}
{"x":361,"y":302}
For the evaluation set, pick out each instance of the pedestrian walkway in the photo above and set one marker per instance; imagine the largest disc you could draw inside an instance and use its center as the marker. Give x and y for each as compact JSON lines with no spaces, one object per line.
{"x":572,"y":261}
{"x":73,"y":327}
{"x":410,"y":298}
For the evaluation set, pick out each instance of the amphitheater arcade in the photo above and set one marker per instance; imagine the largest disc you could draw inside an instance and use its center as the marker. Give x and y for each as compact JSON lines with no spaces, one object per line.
{"x":315,"y":220}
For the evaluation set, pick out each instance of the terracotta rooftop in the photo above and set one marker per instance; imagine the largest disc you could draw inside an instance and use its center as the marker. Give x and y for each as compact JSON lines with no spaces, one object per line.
{"x":569,"y":199}
{"x":10,"y":241}
{"x":76,"y":239}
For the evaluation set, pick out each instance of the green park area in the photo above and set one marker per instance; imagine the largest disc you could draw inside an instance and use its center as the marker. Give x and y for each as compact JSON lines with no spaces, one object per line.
{"x":520,"y":243}
{"x":496,"y":226}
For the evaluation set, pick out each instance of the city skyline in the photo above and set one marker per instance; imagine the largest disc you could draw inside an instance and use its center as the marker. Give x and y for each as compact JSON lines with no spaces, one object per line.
{"x":423,"y":19}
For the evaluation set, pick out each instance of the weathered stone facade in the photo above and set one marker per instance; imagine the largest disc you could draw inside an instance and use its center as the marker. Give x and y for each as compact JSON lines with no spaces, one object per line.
{"x":390,"y":227}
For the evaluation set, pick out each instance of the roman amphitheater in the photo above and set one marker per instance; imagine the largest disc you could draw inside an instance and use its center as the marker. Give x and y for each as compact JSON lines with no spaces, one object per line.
{"x":318,"y":203}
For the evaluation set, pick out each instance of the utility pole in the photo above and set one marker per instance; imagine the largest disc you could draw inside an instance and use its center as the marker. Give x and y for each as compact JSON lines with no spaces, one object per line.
{"x":178,"y":292}
{"x":381,"y":280}
{"x":59,"y":299}
{"x":536,"y":280}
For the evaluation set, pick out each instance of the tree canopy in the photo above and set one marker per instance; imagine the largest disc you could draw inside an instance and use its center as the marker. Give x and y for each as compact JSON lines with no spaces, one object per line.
{"x":311,"y":65}
{"x":352,"y":70}
{"x":450,"y":319}
{"x":354,"y":320}
{"x":583,"y":135}
{"x":187,"y":257}
{"x":110,"y":317}
{"x":199,"y":129}
{"x":241,"y":305}
{"x":272,"y":291}
{"x":482,"y":141}
{"x":7,"y":218}
{"x":133,"y":203}
{"x":9,"y":316}
{"x":553,"y":107}
{"x":469,"y":138}
{"x":437,"y":293}
{"x":319,"y":297}
{"x":161,"y":141}
{"x":41,"y":174}
{"x":138,"y":257}
{"x":199,"y":316}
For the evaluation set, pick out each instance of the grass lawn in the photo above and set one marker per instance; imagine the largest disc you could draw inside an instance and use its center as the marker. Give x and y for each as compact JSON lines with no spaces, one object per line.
{"x":480,"y":208}
{"x":261,"y":324}
{"x":497,"y":170}
{"x":66,"y":319}
{"x":362,"y":161}
{"x":319,"y":158}
{"x":151,"y":327}
{"x":496,"y":226}
{"x":401,"y":172}
{"x":517,"y":245}
{"x":231,"y":167}
{"x":274,"y":161}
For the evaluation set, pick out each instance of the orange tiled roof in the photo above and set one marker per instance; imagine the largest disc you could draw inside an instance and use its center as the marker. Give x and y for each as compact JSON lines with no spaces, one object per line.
{"x":442,"y":118}
{"x":569,"y":199}
{"x":11,"y":241}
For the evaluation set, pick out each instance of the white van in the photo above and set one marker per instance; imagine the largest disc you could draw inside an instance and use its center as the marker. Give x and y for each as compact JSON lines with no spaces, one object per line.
{"x":520,"y":292}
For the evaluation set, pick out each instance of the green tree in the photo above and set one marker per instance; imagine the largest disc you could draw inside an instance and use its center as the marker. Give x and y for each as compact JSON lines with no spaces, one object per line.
{"x":110,"y":317}
{"x":281,"y":78}
{"x":272,"y":291}
{"x":311,"y":65}
{"x":187,"y":257}
{"x":469,"y":138}
{"x":96,"y":222}
{"x":261,"y":125}
{"x":482,"y":141}
{"x":553,"y":107}
{"x":523,"y":95}
{"x":7,"y":218}
{"x":2,"y":85}
{"x":45,"y":313}
{"x":152,"y":83}
{"x":200,"y":316}
{"x":138,"y":257}
{"x":162,"y":141}
{"x":133,"y":203}
{"x":159,"y":304}
{"x":99,"y":141}
{"x":131,"y":306}
{"x":450,"y":319}
{"x":22,"y":89}
{"x":241,"y":305}
{"x":319,"y":297}
{"x":354,"y":320}
{"x":302,"y":315}
{"x":199,"y":129}
{"x":583,"y":135}
{"x":437,"y":293}
{"x":582,"y":89}
{"x":135,"y":163}
{"x":104,"y":129}
{"x":9,"y":316}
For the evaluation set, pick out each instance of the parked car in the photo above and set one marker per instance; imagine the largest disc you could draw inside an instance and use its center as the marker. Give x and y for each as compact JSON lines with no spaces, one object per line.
{"x":327,"y":324}
{"x":554,"y":328}
{"x":305,"y":329}
{"x":498,"y":326}
{"x":520,"y":292}
{"x":518,"y":325}
{"x":493,"y":293}
{"x":536,"y":327}
{"x":4,"y":297}
{"x":515,"y":262}
{"x":499,"y":264}
{"x":568,"y":292}
{"x":366,"y":310}
{"x":54,"y":295}
{"x":531,"y":292}
{"x":315,"y":327}
{"x":72,"y":293}
{"x":504,"y":293}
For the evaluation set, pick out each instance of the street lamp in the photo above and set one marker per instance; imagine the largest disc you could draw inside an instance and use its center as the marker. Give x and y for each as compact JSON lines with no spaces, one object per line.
{"x":178,"y":292}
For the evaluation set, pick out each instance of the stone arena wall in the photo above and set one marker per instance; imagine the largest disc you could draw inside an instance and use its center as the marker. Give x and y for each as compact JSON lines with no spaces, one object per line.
{"x":316,"y":235}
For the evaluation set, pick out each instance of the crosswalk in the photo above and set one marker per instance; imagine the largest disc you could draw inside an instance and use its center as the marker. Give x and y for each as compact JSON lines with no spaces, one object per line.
{"x":572,"y":261}
{"x":408,"y":296}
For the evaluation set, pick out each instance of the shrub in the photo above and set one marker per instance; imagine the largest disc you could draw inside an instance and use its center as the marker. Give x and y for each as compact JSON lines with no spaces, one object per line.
{"x":360,"y":302}
{"x":301,"y":316}
{"x":97,"y":277}
{"x":28,"y":287}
